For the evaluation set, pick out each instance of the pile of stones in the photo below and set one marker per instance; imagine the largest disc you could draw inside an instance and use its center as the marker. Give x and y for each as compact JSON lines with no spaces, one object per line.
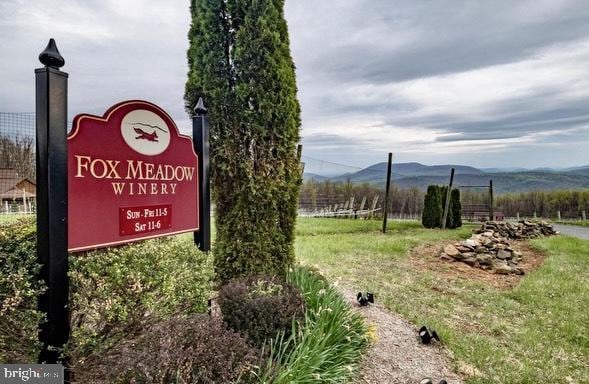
{"x":518,"y":231}
{"x":489,"y":248}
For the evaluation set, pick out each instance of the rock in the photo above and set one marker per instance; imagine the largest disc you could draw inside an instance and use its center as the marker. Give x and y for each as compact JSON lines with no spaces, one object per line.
{"x":462,"y":248}
{"x":444,"y":256}
{"x":481,"y":249}
{"x":470,"y":243}
{"x":502,"y":268}
{"x":472,"y":261}
{"x":485,"y":259}
{"x":451,"y":250}
{"x":503,"y":254}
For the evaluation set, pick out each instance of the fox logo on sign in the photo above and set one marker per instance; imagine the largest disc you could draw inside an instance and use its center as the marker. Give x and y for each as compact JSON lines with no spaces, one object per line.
{"x":131,"y":176}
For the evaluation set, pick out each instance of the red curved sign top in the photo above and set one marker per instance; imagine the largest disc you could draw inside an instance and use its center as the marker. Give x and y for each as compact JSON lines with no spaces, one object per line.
{"x":131,"y":176}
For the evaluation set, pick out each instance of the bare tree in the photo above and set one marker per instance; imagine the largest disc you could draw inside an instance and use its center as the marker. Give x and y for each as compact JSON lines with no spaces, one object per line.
{"x":18,"y":153}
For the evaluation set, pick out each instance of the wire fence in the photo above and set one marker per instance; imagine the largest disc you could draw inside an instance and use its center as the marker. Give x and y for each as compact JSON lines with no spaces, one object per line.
{"x":330,"y":189}
{"x":17,"y":165}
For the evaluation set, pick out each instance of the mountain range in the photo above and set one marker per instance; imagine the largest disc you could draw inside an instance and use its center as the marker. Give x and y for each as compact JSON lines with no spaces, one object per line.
{"x":504,"y":180}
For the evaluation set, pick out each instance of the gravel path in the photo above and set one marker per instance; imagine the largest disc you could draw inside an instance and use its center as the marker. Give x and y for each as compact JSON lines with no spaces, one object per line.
{"x":398,"y":357}
{"x":573,"y":230}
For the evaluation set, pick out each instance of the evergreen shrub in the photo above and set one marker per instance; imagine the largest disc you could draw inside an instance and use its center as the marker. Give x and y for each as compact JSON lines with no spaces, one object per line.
{"x":260,"y":307}
{"x":433,"y":210}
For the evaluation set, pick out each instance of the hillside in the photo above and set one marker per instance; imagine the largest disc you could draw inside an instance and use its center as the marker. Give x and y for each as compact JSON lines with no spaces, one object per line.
{"x":419,"y":175}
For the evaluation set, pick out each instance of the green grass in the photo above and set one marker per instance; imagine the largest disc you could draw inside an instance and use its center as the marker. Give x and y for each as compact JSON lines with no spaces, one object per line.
{"x":582,"y":223}
{"x":535,"y":332}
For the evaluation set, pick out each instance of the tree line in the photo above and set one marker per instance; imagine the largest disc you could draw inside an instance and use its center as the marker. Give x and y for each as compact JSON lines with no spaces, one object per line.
{"x":316,"y":195}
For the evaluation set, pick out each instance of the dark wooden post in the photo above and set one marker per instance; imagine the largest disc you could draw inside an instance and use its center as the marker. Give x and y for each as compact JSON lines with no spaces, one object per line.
{"x":447,"y":204}
{"x":51,"y":162}
{"x":491,"y":207}
{"x":200,"y":138}
{"x":386,"y":194}
{"x":299,"y":155}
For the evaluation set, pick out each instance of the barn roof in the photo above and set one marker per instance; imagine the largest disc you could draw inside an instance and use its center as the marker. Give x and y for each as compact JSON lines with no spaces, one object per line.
{"x":9,"y":179}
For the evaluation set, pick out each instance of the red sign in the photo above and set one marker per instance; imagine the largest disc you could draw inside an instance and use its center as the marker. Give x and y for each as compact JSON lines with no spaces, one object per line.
{"x":131,"y":176}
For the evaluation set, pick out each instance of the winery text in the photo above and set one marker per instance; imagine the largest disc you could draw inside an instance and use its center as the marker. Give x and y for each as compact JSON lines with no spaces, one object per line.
{"x":134,"y":170}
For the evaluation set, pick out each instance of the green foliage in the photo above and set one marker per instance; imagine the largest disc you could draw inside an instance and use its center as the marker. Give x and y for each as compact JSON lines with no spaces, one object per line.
{"x":113,"y":289}
{"x":455,"y":210}
{"x":19,"y":289}
{"x":327,"y":347}
{"x":432,"y":208}
{"x":182,"y":349}
{"x":434,"y":204}
{"x":260,"y":307}
{"x":240,"y":63}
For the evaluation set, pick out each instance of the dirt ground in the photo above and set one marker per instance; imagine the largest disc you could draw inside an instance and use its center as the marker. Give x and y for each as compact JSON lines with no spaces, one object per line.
{"x":397,"y":356}
{"x":427,"y":257}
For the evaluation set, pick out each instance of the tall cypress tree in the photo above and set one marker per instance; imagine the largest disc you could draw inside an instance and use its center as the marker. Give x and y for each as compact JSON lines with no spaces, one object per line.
{"x":432,"y":209}
{"x":240,"y":63}
{"x":455,"y":208}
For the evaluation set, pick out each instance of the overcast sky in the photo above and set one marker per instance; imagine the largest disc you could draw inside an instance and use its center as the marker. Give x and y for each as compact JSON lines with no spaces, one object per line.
{"x":483,"y":83}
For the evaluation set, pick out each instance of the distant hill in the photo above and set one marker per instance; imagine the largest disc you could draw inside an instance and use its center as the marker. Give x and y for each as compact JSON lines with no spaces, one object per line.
{"x":420,"y":175}
{"x":314,"y":176}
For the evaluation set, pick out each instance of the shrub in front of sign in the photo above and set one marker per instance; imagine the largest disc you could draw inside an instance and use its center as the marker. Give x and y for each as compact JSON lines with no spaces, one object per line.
{"x":19,"y":290}
{"x":260,"y":307}
{"x":113,"y":289}
{"x":181,"y":349}
{"x":240,"y":63}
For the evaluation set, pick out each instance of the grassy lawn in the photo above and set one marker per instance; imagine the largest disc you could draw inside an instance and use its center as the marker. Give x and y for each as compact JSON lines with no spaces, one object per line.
{"x":534,"y":332}
{"x":582,"y":223}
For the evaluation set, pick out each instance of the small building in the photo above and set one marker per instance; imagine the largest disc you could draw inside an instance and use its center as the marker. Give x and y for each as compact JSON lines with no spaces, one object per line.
{"x":17,"y":193}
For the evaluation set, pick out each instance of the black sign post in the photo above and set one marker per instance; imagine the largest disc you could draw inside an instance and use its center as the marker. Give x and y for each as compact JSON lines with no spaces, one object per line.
{"x":52,"y":254}
{"x":200,"y":138}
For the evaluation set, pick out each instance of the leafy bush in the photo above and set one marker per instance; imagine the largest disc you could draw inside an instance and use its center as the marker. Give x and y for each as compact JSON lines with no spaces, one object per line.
{"x":327,"y":346}
{"x":260,"y":306}
{"x":183,"y":349}
{"x":113,"y":289}
{"x":19,"y":289}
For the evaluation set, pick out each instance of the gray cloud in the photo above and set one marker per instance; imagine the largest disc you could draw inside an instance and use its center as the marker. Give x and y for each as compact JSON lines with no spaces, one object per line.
{"x":426,"y":80}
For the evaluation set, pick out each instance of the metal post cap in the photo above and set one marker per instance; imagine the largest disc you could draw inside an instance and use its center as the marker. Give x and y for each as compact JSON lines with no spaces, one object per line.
{"x":51,"y":57}
{"x":200,"y":109}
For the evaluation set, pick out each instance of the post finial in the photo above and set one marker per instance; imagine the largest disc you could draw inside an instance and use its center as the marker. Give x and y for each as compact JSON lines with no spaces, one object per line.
{"x":200,"y":109}
{"x":51,"y":57}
